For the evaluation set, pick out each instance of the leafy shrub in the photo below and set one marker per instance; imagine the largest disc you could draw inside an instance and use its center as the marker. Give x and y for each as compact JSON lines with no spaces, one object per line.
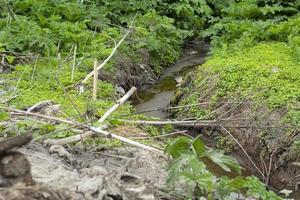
{"x":190,"y":167}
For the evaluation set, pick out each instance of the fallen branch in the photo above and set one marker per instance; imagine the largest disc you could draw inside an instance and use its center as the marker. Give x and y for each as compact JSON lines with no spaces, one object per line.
{"x":228,"y":123}
{"x":68,"y":140}
{"x":193,"y":122}
{"x":97,"y":131}
{"x":177,"y":107}
{"x":111,"y":54}
{"x":183,"y":132}
{"x":95,"y":81}
{"x":118,"y":104}
{"x":123,"y":139}
{"x":74,"y":63}
{"x":40,"y":104}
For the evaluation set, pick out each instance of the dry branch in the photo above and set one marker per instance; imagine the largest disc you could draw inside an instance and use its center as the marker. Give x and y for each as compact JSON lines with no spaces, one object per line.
{"x":111,"y":54}
{"x":40,"y":104}
{"x":97,"y":131}
{"x":74,"y":63}
{"x":123,"y":139}
{"x":95,"y":81}
{"x":68,"y":140}
{"x":118,"y":104}
{"x":183,"y":132}
{"x":193,"y":122}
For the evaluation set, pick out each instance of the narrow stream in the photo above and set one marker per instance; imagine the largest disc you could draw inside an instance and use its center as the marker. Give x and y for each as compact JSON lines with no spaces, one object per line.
{"x":160,"y":94}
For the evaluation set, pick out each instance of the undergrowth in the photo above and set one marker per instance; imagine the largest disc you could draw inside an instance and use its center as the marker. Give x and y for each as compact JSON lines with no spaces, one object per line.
{"x":190,"y":167}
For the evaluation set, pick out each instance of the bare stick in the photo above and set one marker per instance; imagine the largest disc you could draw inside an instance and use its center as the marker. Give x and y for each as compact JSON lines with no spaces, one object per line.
{"x":39,"y":104}
{"x":96,"y":130}
{"x":74,"y":63}
{"x":118,"y":104}
{"x":41,"y":116}
{"x":68,"y":140}
{"x":34,"y":68}
{"x":95,"y":81}
{"x":196,"y":123}
{"x":123,"y":139}
{"x":19,"y":80}
{"x":270,"y":167}
{"x":183,"y":132}
{"x":159,"y":122}
{"x":111,"y":54}
{"x":245,"y":152}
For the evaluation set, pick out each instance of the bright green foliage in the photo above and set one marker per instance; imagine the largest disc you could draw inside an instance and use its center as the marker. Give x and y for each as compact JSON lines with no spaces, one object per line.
{"x":51,"y":80}
{"x":267,"y":71}
{"x":160,"y":37}
{"x":48,"y":27}
{"x":201,"y":181}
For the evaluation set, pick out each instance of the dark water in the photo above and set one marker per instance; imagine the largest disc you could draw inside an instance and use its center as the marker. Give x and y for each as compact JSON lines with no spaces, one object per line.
{"x":160,"y":95}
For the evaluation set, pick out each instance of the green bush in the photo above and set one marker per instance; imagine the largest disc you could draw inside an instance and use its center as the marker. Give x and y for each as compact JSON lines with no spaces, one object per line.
{"x":189,"y":168}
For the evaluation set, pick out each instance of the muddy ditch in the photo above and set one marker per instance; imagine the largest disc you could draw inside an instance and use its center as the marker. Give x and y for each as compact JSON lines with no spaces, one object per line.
{"x":270,"y":160}
{"x":164,"y":91}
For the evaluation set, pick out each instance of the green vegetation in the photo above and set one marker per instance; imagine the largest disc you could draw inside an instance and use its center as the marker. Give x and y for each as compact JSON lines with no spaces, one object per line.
{"x":255,"y":55}
{"x":190,"y":167}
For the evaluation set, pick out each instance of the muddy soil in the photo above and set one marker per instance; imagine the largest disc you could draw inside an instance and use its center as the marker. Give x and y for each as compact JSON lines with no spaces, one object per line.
{"x":123,"y":173}
{"x":128,"y":72}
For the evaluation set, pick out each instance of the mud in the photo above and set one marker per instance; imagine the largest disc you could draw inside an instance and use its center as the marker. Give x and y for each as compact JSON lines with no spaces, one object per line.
{"x":128,"y":72}
{"x":122,"y":173}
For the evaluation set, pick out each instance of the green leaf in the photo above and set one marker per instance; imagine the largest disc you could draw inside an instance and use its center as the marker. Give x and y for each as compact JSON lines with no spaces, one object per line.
{"x":10,"y":59}
{"x":178,"y":147}
{"x":225,"y":162}
{"x":198,"y":146}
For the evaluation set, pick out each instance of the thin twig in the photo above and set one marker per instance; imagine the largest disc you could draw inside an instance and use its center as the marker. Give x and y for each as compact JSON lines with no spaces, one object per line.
{"x":68,"y":96}
{"x":118,"y":104}
{"x":95,"y":81}
{"x":74,"y":63}
{"x":112,"y":53}
{"x":96,"y":130}
{"x":34,"y":68}
{"x":19,"y":80}
{"x":242,"y":148}
{"x":183,"y":132}
{"x":270,"y":166}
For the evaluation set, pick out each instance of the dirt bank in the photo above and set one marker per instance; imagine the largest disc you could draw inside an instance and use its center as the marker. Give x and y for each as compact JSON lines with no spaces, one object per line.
{"x":128,"y":71}
{"x":244,"y":126}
